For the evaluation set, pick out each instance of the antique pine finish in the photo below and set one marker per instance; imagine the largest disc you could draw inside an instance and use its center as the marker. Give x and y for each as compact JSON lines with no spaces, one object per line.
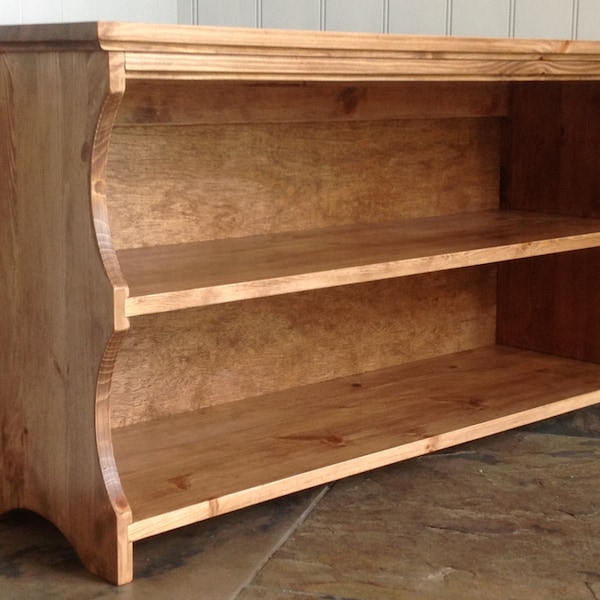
{"x":239,"y":263}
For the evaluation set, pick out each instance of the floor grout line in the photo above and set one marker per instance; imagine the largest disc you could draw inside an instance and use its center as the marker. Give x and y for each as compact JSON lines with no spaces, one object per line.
{"x":284,"y":538}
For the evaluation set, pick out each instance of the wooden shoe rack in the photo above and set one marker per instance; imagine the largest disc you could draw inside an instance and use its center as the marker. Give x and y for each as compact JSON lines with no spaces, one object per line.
{"x":235,"y":264}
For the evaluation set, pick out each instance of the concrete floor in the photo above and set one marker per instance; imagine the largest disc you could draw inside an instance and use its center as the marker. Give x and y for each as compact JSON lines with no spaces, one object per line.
{"x":516,"y":516}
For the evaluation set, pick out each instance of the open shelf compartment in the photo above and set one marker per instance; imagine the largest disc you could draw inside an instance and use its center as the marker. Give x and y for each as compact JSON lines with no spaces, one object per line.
{"x":190,"y":467}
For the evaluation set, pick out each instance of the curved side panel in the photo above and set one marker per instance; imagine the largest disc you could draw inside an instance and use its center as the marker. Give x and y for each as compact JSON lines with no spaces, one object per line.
{"x":116,"y":87}
{"x":116,"y":84}
{"x":57,"y":336}
{"x":112,"y":481}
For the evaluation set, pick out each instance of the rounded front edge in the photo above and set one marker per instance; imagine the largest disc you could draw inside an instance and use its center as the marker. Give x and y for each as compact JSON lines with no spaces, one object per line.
{"x":120,"y":568}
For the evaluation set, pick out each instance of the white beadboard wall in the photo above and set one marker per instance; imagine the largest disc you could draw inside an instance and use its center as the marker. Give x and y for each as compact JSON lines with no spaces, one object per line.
{"x":564,"y":19}
{"x":55,"y":11}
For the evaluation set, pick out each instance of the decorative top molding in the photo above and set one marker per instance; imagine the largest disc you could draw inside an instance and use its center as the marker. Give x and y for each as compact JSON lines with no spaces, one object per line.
{"x":259,"y":54}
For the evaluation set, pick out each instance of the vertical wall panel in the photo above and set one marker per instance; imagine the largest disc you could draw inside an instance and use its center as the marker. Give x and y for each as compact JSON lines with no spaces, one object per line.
{"x":34,"y":11}
{"x":233,"y":13}
{"x":354,"y":15}
{"x":426,"y":17}
{"x":487,"y":18}
{"x":588,"y":23}
{"x":76,"y":10}
{"x":185,"y":12}
{"x":49,"y":11}
{"x":532,"y":18}
{"x":544,"y":18}
{"x":291,"y":14}
{"x":10,"y":12}
{"x":145,"y":11}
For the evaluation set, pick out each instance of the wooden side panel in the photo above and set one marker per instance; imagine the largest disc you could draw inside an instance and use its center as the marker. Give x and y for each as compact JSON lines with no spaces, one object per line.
{"x":56,"y":304}
{"x":552,"y":304}
{"x":174,"y":184}
{"x":552,"y":154}
{"x":176,"y":362}
{"x":552,"y":163}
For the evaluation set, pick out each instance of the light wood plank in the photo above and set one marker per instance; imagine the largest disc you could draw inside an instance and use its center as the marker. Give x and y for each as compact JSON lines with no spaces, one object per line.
{"x":127,"y":36}
{"x":186,"y":275}
{"x":178,"y":470}
{"x":159,"y":65}
{"x":229,"y":54}
{"x":235,"y":53}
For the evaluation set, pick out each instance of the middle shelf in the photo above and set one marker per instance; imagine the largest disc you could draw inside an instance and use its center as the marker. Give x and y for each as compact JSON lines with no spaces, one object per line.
{"x":178,"y":276}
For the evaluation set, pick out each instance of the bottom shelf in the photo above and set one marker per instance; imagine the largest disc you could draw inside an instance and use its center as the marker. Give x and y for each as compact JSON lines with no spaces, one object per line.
{"x":190,"y":467}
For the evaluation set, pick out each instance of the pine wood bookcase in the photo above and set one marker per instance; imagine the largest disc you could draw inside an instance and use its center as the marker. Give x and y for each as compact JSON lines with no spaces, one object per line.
{"x":240,"y":263}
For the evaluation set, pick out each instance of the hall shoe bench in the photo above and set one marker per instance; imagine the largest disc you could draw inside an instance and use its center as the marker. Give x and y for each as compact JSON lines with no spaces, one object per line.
{"x":236,"y":264}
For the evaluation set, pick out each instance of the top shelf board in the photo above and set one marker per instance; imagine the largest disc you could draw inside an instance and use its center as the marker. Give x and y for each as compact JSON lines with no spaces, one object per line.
{"x":191,"y":52}
{"x":173,"y":277}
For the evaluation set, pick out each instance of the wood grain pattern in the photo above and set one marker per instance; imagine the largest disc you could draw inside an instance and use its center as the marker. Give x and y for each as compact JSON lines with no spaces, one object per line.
{"x":185,"y":360}
{"x":181,"y":184}
{"x":259,"y":163}
{"x":148,"y":65}
{"x":231,"y":53}
{"x":552,"y":162}
{"x":151,"y":102}
{"x":550,"y":304}
{"x":182,"y":276}
{"x":132,"y":36}
{"x":552,"y":154}
{"x":57,"y":306}
{"x":318,"y":433}
{"x":116,"y":84}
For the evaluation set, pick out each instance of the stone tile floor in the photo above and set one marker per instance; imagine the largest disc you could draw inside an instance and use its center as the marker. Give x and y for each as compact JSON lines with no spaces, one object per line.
{"x":516,"y":516}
